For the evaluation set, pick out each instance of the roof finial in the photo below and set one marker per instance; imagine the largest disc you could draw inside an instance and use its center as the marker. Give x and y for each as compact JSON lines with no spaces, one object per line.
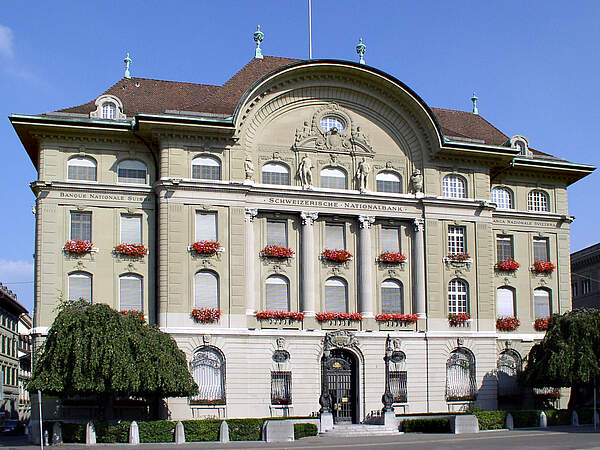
{"x":361,"y":48}
{"x":474,"y":100}
{"x":258,"y":38}
{"x":127,"y":62}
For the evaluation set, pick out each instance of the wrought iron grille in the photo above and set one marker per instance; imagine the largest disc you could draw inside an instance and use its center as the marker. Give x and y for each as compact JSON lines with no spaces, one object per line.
{"x":461,"y":376}
{"x":208,"y":371}
{"x":281,"y":388}
{"x":398,"y":385}
{"x":509,"y":365}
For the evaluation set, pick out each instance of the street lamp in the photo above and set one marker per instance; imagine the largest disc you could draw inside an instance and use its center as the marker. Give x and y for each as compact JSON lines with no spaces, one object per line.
{"x":325,"y":399}
{"x":387,"y":398}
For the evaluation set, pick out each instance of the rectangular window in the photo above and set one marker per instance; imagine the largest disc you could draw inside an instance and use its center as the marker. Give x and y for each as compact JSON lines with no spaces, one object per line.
{"x":81,"y":225}
{"x":206,"y":226}
{"x":541,"y":300}
{"x":456,"y":239}
{"x":540,"y":249}
{"x":3,"y":345}
{"x":504,"y":247}
{"x":586,"y":286}
{"x":277,"y":233}
{"x":574,"y":289}
{"x":281,"y":388}
{"x":390,"y":239}
{"x":398,"y":386}
{"x":335,"y":238}
{"x":130,"y":293}
{"x":131,"y":229}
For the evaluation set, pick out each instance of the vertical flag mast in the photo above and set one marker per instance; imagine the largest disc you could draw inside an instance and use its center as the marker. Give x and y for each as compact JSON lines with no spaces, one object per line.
{"x":309,"y":30}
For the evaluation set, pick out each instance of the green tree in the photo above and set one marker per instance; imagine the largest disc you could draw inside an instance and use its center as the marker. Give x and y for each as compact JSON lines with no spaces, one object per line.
{"x":95,"y":350}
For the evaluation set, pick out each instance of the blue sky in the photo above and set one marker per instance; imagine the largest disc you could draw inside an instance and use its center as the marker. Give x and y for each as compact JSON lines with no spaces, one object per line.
{"x":534,"y":66}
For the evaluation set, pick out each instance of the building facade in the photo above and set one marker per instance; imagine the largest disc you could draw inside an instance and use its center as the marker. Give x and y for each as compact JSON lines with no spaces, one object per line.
{"x":24,"y":354}
{"x":585,"y":277}
{"x":295,"y":218}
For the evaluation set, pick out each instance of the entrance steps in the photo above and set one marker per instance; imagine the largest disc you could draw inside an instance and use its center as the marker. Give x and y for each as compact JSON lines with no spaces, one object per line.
{"x":358,"y":430}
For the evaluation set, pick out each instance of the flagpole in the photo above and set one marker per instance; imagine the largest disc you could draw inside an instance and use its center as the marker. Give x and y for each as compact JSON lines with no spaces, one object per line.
{"x":309,"y":29}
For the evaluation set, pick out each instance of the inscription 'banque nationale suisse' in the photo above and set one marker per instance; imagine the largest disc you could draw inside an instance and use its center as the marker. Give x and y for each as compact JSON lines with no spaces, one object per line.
{"x":335,"y":205}
{"x":109,"y":197}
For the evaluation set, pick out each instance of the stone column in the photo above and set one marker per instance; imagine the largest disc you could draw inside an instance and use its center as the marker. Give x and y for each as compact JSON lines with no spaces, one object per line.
{"x":419,"y":268}
{"x":308,"y":304}
{"x":250,"y":260}
{"x":365,"y":287}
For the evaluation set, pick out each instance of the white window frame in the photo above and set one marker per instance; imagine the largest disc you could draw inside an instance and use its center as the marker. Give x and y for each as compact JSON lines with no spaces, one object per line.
{"x":341,"y":226}
{"x":329,"y":122}
{"x":87,"y":214}
{"x":82,"y":161}
{"x":458,"y":297}
{"x":197,"y":236}
{"x":548,"y":296}
{"x":392,"y":283}
{"x":505,"y":302}
{"x":502,"y":197}
{"x":336,"y":282}
{"x":217,"y":300}
{"x":137,"y":278}
{"x":272,"y":168}
{"x":135,"y":165}
{"x":207,"y":161}
{"x":457,"y":242}
{"x":121,"y":227}
{"x":388,"y":178}
{"x":541,"y":241}
{"x":109,"y":110}
{"x":285,"y":232}
{"x":277,"y":280}
{"x":454,"y":186}
{"x":84,"y":275}
{"x":504,"y":238}
{"x":329,"y":174}
{"x":538,"y":201}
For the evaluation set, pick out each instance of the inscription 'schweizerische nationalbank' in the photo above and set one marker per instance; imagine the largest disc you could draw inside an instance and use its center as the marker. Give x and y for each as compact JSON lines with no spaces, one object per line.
{"x":334,"y":204}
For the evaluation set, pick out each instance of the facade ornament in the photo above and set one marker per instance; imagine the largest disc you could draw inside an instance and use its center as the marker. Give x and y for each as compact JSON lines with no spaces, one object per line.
{"x":127,"y":62}
{"x":250,"y":214}
{"x":474,"y":100}
{"x":361,"y":48}
{"x":131,"y":267}
{"x":276,"y":155}
{"x":281,"y":356}
{"x":206,"y":339}
{"x":366,"y":221}
{"x":397,"y":343}
{"x":308,"y":218}
{"x":305,"y":172}
{"x":207,"y":262}
{"x":392,"y":272}
{"x":304,"y":132}
{"x":277,"y":268}
{"x":417,"y":181}
{"x":458,"y":273}
{"x":362,"y":174}
{"x":335,"y":271}
{"x":280,"y":343}
{"x":249,"y":168}
{"x":258,"y":38}
{"x":460,"y":342}
{"x":359,"y":136}
{"x":508,"y":345}
{"x":419,"y":224}
{"x":80,"y":265}
{"x":506,"y":280}
{"x":340,"y":338}
{"x":389,"y":165}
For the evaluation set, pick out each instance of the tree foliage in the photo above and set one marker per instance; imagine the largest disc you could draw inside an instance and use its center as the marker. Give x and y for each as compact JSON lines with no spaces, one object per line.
{"x":95,"y":350}
{"x":569,"y":354}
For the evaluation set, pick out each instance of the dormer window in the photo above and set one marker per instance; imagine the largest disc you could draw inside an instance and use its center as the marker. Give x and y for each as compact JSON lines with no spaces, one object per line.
{"x":109,"y":110}
{"x":108,"y":107}
{"x":522,"y":144}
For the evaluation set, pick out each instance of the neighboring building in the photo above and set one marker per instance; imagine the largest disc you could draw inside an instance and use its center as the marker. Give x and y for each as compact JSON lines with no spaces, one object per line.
{"x":10,"y":311}
{"x":24,"y":353}
{"x":307,"y":155}
{"x":585,"y":277}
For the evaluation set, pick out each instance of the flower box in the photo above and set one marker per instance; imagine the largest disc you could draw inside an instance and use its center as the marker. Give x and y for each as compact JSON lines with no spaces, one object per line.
{"x":217,"y":401}
{"x":541,"y":324}
{"x":409,"y":318}
{"x":275,"y":251}
{"x":391,"y":258}
{"x":459,"y":257}
{"x":133,"y":250}
{"x":461,"y":398}
{"x":543,"y":267}
{"x":456,"y":320}
{"x":327,"y":316}
{"x":508,"y":265}
{"x":281,"y":401}
{"x":280,"y":315}
{"x":339,"y":256}
{"x":507,"y":323}
{"x":206,"y":315}
{"x":133,"y":313}
{"x":205,"y":247}
{"x":78,"y":247}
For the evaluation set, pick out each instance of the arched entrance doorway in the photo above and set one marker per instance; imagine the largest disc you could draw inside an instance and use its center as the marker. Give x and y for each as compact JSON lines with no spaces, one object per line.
{"x":342,"y":384}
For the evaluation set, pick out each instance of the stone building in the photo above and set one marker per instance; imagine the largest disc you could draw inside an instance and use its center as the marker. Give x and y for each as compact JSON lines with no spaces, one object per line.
{"x":24,"y":354}
{"x":585,"y":277}
{"x":313,"y":187}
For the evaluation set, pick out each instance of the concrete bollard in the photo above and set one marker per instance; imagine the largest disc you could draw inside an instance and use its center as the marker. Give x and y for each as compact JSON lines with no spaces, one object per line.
{"x":510,"y":423}
{"x":179,"y":433}
{"x":90,"y":433}
{"x":543,"y":420}
{"x":224,"y":432}
{"x":574,"y":419}
{"x":56,"y":434}
{"x":134,"y":433}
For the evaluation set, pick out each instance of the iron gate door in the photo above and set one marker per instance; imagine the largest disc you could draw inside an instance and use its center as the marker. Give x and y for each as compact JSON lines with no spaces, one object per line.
{"x":340,"y":382}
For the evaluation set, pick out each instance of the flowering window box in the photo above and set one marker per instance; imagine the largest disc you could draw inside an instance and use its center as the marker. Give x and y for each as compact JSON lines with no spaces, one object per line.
{"x":507,"y":323}
{"x":327,"y":316}
{"x":461,"y":398}
{"x":275,"y":251}
{"x":206,"y":247}
{"x":132,"y":250}
{"x":391,"y":258}
{"x":508,"y":265}
{"x":133,"y":313}
{"x":206,"y":315}
{"x":457,"y":320}
{"x":541,"y":324}
{"x":280,"y":315}
{"x":339,"y":256}
{"x":543,"y":267}
{"x":204,"y":401}
{"x":408,"y":318}
{"x":78,"y":247}
{"x":281,"y":401}
{"x":459,"y":257}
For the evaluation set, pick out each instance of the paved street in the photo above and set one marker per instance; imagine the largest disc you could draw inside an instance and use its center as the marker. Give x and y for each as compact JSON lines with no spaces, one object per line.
{"x":558,"y":438}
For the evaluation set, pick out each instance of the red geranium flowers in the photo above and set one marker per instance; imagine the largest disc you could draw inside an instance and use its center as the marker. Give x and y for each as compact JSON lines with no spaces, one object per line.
{"x":392,"y":257}
{"x":409,"y":318}
{"x":326,"y":316}
{"x":541,"y":324}
{"x":133,"y":250}
{"x":266,"y":315}
{"x":458,"y":319}
{"x":78,"y":246}
{"x":507,"y":323}
{"x":459,"y":256}
{"x":206,"y":315}
{"x":508,"y":265}
{"x":276,"y":251}
{"x":543,"y":266}
{"x":336,"y":255}
{"x":205,"y":247}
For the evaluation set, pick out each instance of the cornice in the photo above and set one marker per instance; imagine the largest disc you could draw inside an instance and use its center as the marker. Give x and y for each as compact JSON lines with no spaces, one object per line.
{"x":100,"y":188}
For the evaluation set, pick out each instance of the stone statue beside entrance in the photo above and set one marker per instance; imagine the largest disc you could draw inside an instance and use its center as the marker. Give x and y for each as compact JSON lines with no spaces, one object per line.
{"x":305,"y":172}
{"x":362,"y":174}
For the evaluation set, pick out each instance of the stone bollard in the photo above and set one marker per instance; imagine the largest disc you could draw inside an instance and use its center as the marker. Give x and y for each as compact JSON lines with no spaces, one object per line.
{"x":90,"y":433}
{"x":179,"y":433}
{"x":56,"y":434}
{"x":596,"y":419}
{"x":134,"y":433}
{"x":510,"y":423}
{"x":224,"y":432}
{"x":543,"y":420}
{"x":46,"y":443}
{"x":574,"y":419}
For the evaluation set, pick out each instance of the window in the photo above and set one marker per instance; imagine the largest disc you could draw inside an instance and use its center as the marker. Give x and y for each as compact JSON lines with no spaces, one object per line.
{"x":131,"y":171}
{"x":390,"y":239}
{"x":461,"y":375}
{"x":456,"y":239}
{"x":329,"y":122}
{"x":82,"y":169}
{"x":206,"y":168}
{"x":130,"y":293}
{"x":540,"y":249}
{"x":509,"y":365}
{"x":335,"y":236}
{"x":538,"y":201}
{"x":541,"y":300}
{"x":277,"y":232}
{"x":336,"y":295}
{"x":454,"y":186}
{"x":458,"y":297}
{"x":333,"y":178}
{"x":391,"y":297}
{"x":81,"y":225}
{"x":388,"y":182}
{"x":109,"y":110}
{"x":275,"y":173}
{"x":504,"y":247}
{"x":208,"y":371}
{"x":586,"y":286}
{"x":131,"y":229}
{"x":206,"y":289}
{"x":206,"y":226}
{"x":281,"y":388}
{"x":398,"y":378}
{"x":277,"y":293}
{"x":80,"y":286}
{"x":505,"y":302}
{"x":502,"y":197}
{"x":3,"y":344}
{"x":574,"y":289}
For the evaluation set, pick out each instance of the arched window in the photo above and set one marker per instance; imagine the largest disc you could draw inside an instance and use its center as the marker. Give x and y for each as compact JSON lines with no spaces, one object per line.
{"x":509,"y":365}
{"x":458,"y":297}
{"x":542,"y":303}
{"x":206,"y":168}
{"x":333,"y":178}
{"x":502,"y":197}
{"x":80,"y":286}
{"x":391,"y":297}
{"x":388,"y":182}
{"x":81,"y":168}
{"x":336,"y":295}
{"x":454,"y":186}
{"x":109,"y":110}
{"x":398,"y":378}
{"x":329,"y":122}
{"x":206,"y":289}
{"x":130,"y":171}
{"x":461,"y":381}
{"x":130,"y":292}
{"x":505,"y":302}
{"x":538,"y":201}
{"x":277,"y":293}
{"x":275,"y":173}
{"x":208,"y":371}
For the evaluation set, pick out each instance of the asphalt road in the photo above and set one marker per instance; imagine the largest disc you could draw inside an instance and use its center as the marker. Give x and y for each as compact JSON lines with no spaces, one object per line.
{"x":559,"y":438}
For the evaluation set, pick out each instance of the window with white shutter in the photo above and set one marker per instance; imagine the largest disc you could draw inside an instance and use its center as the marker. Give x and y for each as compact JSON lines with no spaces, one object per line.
{"x":333,"y":178}
{"x":206,"y":289}
{"x":390,"y":239}
{"x":540,"y":249}
{"x":131,"y":229}
{"x":80,"y":286}
{"x":504,"y":247}
{"x":206,"y":168}
{"x":391,"y":297}
{"x":206,"y":226}
{"x":336,"y":295}
{"x":130,"y":293}
{"x":275,"y":173}
{"x":335,"y":238}
{"x":81,"y":225}
{"x":82,"y":169}
{"x":277,"y":232}
{"x":277,"y":293}
{"x":131,"y":171}
{"x":505,"y":302}
{"x":541,"y":301}
{"x":388,"y":182}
